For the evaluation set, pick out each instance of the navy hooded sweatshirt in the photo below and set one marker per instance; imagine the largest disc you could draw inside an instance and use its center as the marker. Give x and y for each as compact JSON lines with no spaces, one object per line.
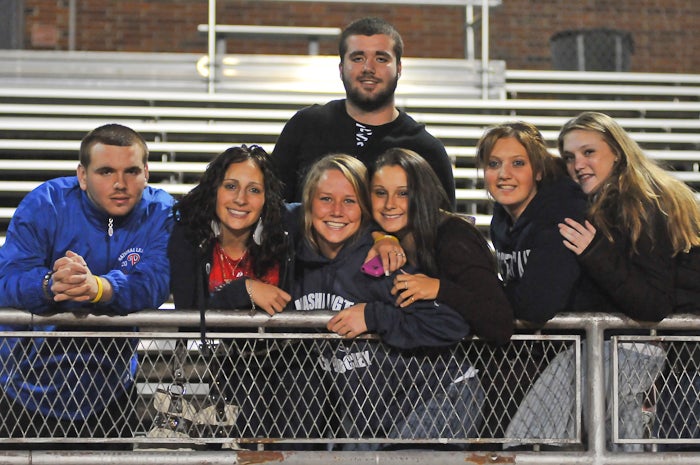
{"x":541,"y":276}
{"x":376,"y":383}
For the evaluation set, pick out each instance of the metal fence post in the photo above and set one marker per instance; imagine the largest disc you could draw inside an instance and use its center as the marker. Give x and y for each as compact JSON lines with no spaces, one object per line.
{"x":595,"y":389}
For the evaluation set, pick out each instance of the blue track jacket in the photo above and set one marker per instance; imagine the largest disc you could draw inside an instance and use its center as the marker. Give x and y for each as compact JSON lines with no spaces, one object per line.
{"x":74,"y":377}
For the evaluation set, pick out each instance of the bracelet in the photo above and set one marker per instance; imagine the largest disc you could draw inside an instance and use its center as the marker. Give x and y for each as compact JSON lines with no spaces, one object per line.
{"x":249,"y":289}
{"x":45,"y":285}
{"x":387,"y":236}
{"x":100,"y":290}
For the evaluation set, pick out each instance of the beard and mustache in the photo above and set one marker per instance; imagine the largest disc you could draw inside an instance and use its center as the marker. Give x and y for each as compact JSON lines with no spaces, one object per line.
{"x":371,"y":102}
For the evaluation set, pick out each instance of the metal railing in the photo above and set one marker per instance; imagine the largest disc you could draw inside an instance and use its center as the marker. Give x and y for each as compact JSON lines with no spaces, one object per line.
{"x":586,"y":388}
{"x":470,"y":22}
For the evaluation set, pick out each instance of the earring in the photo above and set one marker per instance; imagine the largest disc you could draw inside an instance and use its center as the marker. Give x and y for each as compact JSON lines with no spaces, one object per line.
{"x":215,"y":228}
{"x":257,"y":234}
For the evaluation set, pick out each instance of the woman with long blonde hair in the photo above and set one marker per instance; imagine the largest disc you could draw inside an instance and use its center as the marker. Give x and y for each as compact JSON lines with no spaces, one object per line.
{"x":642,"y":222}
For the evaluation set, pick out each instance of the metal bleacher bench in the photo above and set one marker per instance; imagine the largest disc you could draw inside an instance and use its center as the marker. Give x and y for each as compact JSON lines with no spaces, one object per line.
{"x":272,"y":129}
{"x":660,"y":86}
{"x":222,"y":114}
{"x":23,"y":187}
{"x":49,"y":101}
{"x":68,"y":166}
{"x":312,"y":34}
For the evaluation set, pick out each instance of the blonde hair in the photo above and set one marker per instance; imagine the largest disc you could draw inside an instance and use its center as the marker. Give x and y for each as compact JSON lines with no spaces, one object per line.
{"x":635,"y":187}
{"x":353,"y":170}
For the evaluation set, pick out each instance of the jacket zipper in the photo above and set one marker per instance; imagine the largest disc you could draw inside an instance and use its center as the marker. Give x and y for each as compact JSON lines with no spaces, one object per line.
{"x":110,"y":233}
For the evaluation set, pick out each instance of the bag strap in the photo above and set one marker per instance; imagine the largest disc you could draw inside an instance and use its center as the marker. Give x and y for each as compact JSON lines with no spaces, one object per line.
{"x":207,"y":348}
{"x":204,"y":347}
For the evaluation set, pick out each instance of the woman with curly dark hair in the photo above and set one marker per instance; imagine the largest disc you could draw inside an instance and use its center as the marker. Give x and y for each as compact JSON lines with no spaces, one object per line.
{"x":229,"y":237}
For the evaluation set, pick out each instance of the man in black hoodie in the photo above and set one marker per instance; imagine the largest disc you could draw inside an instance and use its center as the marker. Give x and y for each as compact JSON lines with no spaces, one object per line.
{"x":366,"y":122}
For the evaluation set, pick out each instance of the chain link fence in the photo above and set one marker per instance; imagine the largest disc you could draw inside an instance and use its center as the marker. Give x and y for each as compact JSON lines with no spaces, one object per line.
{"x":281,"y":385}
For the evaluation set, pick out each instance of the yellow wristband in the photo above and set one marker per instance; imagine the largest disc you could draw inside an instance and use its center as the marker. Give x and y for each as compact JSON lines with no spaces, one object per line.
{"x":386,"y":236}
{"x":100,"y":290}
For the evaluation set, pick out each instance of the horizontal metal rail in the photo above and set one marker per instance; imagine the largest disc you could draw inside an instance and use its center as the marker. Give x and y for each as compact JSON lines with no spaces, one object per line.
{"x":314,"y":319}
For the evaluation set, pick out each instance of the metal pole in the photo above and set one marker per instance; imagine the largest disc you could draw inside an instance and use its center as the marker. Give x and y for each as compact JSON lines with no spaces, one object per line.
{"x":71,"y":25}
{"x":407,"y":457}
{"x":211,"y":46}
{"x":469,"y":33}
{"x":485,"y":49}
{"x":595,"y":387}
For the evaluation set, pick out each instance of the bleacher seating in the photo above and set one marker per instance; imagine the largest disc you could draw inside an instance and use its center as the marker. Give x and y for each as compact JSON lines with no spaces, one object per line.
{"x":48,"y":104}
{"x":593,"y":85}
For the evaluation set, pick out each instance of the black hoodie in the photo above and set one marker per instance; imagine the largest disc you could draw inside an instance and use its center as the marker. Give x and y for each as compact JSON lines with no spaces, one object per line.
{"x":541,"y":276}
{"x":318,"y":130}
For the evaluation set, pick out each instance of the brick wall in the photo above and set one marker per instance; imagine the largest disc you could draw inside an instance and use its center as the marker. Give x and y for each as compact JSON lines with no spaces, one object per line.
{"x":662,"y":30}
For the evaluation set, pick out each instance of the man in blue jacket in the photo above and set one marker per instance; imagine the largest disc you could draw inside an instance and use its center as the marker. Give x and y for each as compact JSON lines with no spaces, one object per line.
{"x":96,"y":243}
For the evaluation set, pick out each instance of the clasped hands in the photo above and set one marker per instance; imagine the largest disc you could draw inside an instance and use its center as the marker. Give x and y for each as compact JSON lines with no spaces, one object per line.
{"x":72,"y":279}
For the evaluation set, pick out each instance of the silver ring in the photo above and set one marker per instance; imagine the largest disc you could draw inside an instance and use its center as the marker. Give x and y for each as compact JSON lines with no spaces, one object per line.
{"x":400,"y":255}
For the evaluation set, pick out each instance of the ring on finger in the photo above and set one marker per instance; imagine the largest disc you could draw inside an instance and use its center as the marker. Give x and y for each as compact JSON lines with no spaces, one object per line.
{"x":411,"y":299}
{"x":405,"y":284}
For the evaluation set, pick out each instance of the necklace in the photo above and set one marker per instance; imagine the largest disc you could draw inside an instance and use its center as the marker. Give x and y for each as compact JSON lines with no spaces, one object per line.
{"x":229,"y":266}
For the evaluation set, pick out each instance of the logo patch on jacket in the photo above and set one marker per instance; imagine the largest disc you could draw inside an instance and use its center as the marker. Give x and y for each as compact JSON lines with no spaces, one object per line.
{"x":512,"y":265}
{"x":130,"y":258}
{"x":350,"y":361}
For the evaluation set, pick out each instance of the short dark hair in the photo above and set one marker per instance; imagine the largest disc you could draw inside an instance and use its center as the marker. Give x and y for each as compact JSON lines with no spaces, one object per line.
{"x":111,"y":134}
{"x":370,"y":27}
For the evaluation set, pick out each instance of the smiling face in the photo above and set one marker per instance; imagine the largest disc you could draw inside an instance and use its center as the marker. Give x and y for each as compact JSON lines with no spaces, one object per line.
{"x":240,"y":199}
{"x":369,"y":71}
{"x":589,"y":159}
{"x":389,"y":191}
{"x":115,"y":178}
{"x":335,"y":212}
{"x":509,"y":176}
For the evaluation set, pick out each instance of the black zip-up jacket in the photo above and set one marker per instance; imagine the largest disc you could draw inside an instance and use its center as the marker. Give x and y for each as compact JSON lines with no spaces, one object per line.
{"x":468,"y":280}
